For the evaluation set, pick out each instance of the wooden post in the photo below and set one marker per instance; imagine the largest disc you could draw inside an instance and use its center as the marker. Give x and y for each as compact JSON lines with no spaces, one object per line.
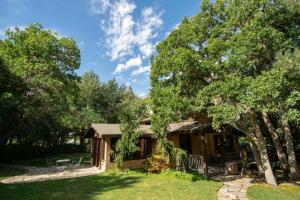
{"x":93,"y":151}
{"x":221,"y":137}
{"x":100,"y":156}
{"x":205,"y":166}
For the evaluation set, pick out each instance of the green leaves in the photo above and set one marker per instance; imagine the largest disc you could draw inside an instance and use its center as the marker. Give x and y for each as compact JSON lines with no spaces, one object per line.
{"x":127,"y":144}
{"x":41,"y":68}
{"x":225,"y":61}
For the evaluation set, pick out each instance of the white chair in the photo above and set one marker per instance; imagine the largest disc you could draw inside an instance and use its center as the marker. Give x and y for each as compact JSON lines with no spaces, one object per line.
{"x":77,"y":165}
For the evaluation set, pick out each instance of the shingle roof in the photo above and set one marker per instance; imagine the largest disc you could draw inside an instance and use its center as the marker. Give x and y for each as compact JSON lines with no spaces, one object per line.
{"x":191,"y":126}
{"x":114,"y":129}
{"x":184,"y":126}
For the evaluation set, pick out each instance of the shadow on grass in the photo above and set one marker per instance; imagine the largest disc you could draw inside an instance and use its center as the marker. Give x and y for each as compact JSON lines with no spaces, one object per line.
{"x":7,"y":171}
{"x":92,"y":187}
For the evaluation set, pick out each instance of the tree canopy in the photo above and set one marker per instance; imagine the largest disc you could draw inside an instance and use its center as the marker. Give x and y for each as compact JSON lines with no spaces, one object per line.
{"x":43,"y":66}
{"x":224,"y":62}
{"x":42,"y":98}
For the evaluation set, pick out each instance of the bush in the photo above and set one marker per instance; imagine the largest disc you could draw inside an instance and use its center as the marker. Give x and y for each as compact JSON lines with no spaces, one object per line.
{"x":181,"y":159}
{"x":156,"y":163}
{"x":191,"y":176}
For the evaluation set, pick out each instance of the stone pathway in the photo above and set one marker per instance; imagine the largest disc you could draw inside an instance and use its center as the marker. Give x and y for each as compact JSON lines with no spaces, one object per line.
{"x":35,"y":174}
{"x":234,"y":189}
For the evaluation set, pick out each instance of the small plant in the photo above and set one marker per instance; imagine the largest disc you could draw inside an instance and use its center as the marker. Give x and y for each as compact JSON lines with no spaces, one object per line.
{"x":191,"y":176}
{"x":156,"y":163}
{"x":181,"y":158}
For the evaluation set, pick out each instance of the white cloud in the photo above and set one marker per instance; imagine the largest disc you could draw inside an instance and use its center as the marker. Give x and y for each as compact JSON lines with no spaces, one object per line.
{"x":133,"y":62}
{"x":140,"y":70}
{"x":142,"y":94}
{"x":151,"y":21}
{"x":99,"y":6}
{"x":124,"y":34}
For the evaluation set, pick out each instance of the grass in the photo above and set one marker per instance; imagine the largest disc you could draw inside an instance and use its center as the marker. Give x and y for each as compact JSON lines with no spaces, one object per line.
{"x":267,"y":192}
{"x":6,"y":172}
{"x":41,"y":162}
{"x":114,"y":186}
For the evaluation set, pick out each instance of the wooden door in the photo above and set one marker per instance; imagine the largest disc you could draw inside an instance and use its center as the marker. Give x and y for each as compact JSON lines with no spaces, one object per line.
{"x":185,"y":142}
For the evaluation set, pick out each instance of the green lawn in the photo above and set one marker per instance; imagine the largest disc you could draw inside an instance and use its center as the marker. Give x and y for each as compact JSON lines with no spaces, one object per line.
{"x":266,"y":192}
{"x":6,"y":172}
{"x":113,"y":186}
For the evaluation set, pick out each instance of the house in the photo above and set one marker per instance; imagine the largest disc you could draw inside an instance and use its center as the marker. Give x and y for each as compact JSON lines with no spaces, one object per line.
{"x":197,"y":138}
{"x":104,"y":139}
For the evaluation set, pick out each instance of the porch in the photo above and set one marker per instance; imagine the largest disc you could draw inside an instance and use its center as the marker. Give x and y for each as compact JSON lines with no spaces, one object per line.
{"x":208,"y":151}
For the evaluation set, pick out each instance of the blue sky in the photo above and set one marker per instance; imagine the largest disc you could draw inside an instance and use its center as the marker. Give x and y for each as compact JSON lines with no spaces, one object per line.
{"x":116,"y":37}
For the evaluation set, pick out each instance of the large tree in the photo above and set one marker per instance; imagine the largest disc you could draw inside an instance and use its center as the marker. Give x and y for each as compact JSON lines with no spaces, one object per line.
{"x":209,"y":61}
{"x":127,"y":145}
{"x":45,"y":63}
{"x":84,"y":105}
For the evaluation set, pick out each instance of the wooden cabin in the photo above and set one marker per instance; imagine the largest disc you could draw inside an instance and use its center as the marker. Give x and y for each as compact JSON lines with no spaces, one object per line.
{"x":104,"y":139}
{"x":197,"y":138}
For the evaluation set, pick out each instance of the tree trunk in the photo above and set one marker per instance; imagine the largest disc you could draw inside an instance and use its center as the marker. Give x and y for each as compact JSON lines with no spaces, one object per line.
{"x":261,"y":145}
{"x":257,"y":158}
{"x":290,"y":151}
{"x":81,"y":138}
{"x":279,"y":149}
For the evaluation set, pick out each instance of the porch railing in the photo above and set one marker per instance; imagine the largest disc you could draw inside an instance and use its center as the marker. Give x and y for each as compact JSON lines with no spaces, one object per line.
{"x":197,"y":162}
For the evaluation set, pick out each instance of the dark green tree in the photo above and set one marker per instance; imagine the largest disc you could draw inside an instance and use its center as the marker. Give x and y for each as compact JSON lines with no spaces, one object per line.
{"x":45,"y":64}
{"x":127,"y":144}
{"x":84,"y":106}
{"x":209,"y":62}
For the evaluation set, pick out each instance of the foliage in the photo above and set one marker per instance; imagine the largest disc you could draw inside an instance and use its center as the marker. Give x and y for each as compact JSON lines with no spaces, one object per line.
{"x":243,"y":141}
{"x":181,"y":158}
{"x":127,"y":144}
{"x":41,"y":68}
{"x":209,"y":61}
{"x":191,"y":176}
{"x":156,"y":163}
{"x":224,"y":62}
{"x":42,"y":100}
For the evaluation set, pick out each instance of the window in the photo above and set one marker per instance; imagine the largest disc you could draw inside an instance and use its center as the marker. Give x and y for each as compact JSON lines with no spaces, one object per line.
{"x":145,"y":149}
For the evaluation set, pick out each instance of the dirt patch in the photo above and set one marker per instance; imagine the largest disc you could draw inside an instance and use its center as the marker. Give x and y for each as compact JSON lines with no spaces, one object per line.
{"x":35,"y":174}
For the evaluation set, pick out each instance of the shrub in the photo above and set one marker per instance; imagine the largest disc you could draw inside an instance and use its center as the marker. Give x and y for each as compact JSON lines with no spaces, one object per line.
{"x":191,"y":176}
{"x":181,"y":159}
{"x":156,"y":163}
